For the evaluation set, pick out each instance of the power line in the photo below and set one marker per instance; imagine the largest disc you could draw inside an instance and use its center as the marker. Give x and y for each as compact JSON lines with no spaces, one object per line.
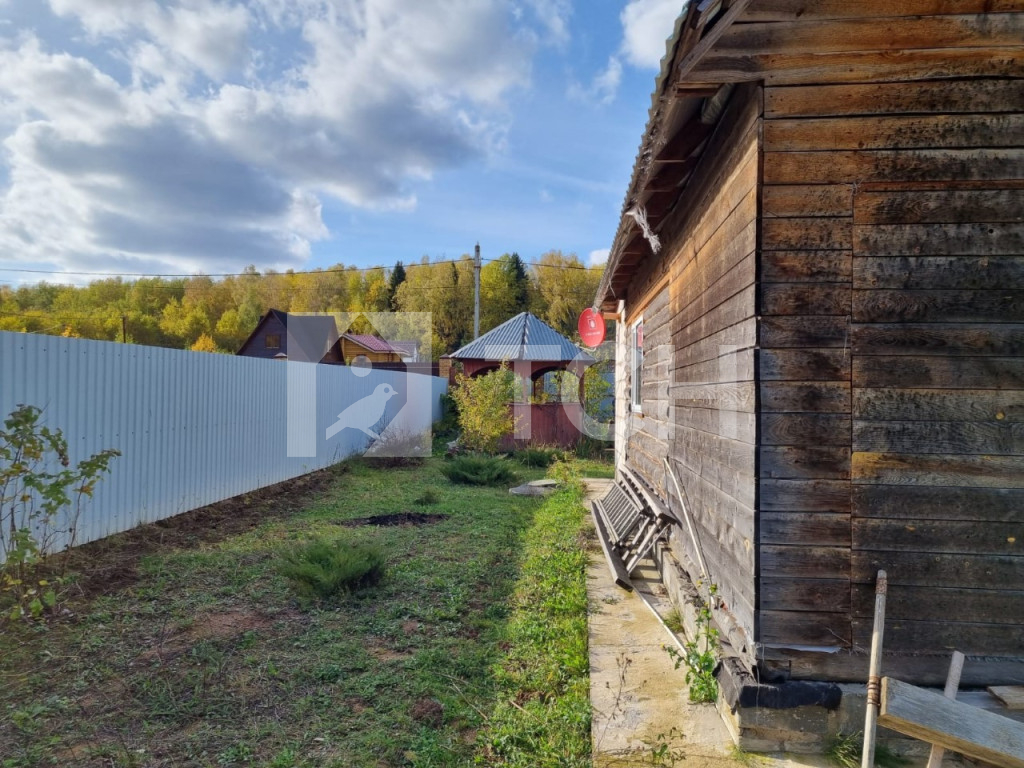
{"x":327,"y":271}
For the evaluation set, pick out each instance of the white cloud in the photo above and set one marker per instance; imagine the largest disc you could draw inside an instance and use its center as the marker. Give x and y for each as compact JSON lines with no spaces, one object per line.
{"x":234,"y":121}
{"x":646,"y":25}
{"x":603,"y":88}
{"x":554,"y":15}
{"x":596,"y":258}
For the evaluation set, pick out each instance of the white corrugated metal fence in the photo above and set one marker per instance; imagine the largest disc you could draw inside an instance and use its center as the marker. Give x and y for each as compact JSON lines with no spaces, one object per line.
{"x":193,"y":428}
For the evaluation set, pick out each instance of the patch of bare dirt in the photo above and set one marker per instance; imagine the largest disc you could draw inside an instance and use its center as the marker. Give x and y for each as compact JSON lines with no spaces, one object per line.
{"x":400,"y":518}
{"x":428,"y":712}
{"x":383,"y":653}
{"x":209,"y":626}
{"x":111,"y":564}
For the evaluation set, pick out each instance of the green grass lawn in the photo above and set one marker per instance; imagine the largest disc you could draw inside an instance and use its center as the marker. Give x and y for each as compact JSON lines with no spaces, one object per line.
{"x":471,"y":651}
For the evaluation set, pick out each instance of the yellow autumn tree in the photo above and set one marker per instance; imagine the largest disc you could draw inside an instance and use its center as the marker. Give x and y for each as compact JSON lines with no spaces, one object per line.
{"x":205,"y":343}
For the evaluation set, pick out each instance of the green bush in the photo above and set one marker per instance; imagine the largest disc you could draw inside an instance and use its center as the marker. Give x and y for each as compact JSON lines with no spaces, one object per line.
{"x":479,"y":470}
{"x":484,"y":405}
{"x":535,"y":456}
{"x":324,"y":569}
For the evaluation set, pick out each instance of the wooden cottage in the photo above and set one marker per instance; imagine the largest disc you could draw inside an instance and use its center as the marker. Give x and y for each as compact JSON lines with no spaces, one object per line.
{"x":303,"y":338}
{"x":828,"y":345}
{"x":369,"y":347}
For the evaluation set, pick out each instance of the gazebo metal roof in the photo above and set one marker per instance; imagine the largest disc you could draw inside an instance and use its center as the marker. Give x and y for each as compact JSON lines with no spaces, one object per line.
{"x":523,"y":337}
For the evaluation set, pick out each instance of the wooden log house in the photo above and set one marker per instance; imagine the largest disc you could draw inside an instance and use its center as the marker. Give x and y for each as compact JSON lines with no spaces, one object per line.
{"x":829,"y":344}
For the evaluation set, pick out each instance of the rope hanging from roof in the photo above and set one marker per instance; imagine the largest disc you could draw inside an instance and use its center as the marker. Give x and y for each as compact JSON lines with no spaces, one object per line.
{"x":639,"y":214}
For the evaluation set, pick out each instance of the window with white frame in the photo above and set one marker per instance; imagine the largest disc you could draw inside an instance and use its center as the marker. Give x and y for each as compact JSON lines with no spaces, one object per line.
{"x":637,"y":382}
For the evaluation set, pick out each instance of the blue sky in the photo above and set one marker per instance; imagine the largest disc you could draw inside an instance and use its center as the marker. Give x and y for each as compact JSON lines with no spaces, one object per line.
{"x":187,"y":136}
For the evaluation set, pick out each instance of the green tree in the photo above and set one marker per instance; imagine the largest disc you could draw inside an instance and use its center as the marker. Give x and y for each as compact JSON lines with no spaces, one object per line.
{"x":564,"y":287}
{"x":504,"y":290}
{"x":396,"y":278}
{"x":485,"y":412}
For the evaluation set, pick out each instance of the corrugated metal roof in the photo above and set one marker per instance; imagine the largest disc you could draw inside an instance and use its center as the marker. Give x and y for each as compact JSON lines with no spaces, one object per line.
{"x":523,"y":337}
{"x":370,"y":342}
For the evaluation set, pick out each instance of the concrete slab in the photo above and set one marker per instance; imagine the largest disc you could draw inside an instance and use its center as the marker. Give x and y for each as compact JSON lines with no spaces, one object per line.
{"x":642,"y":714}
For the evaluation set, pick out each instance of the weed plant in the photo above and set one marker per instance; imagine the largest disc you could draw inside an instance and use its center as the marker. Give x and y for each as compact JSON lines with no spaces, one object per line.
{"x":537,"y":456}
{"x":428,"y":497}
{"x":479,"y":470}
{"x":322,"y":569}
{"x":846,"y":749}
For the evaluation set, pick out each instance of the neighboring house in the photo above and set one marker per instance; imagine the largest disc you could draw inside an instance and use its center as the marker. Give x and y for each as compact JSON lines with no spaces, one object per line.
{"x":408,"y":350}
{"x":365,"y":345}
{"x":302,"y":338}
{"x":829,"y":344}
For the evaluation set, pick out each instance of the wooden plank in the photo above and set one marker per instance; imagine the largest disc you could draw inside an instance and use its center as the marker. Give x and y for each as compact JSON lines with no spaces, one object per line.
{"x":733,"y":396}
{"x":805,"y":429}
{"x":698,"y":321}
{"x":938,"y":405}
{"x":733,"y":424}
{"x":944,"y":636}
{"x":892,"y":165}
{"x":805,"y":562}
{"x":875,"y":34}
{"x":937,"y":272}
{"x":700,"y":288}
{"x":687,"y":139}
{"x":805,"y":397}
{"x":992,"y":239}
{"x":812,"y":234}
{"x":804,"y":496}
{"x":958,"y":503}
{"x":690,"y":351}
{"x":928,"y":569}
{"x":806,"y":266}
{"x":937,"y":469}
{"x":893,"y":132}
{"x":811,"y":528}
{"x":983,"y":437}
{"x":804,"y":364}
{"x":909,"y":206}
{"x":805,"y":299}
{"x":951,"y":724}
{"x":804,"y":628}
{"x":783,"y":594}
{"x":732,"y":366}
{"x":805,"y":462}
{"x":933,"y":338}
{"x":792,"y":664}
{"x":946,"y":536}
{"x":939,"y":604}
{"x":802,"y":10}
{"x":733,"y":454}
{"x":710,"y":38}
{"x":803,"y":200}
{"x":1011,"y":696}
{"x":882,"y":306}
{"x":861,"y":66}
{"x":944,"y":96}
{"x":805,"y":331}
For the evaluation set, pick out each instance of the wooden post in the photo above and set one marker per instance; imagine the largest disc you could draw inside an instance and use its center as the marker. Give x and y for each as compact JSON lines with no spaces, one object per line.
{"x":956,"y":667}
{"x":874,"y":674}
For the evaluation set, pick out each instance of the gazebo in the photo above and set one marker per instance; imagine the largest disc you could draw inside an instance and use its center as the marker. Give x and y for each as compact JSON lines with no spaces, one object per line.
{"x":532,"y":348}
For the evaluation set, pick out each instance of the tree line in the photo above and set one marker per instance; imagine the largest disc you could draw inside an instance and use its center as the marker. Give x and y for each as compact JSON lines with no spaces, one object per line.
{"x":204,"y":314}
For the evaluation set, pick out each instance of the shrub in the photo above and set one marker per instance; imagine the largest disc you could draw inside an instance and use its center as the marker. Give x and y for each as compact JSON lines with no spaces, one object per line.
{"x":34,"y":501}
{"x":429,"y":496}
{"x":537,"y":457}
{"x":479,"y":470}
{"x":484,"y":413}
{"x":324,"y":569}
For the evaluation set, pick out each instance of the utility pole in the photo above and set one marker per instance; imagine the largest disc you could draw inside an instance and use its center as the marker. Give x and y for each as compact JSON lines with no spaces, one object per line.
{"x":124,"y":329}
{"x":476,"y":292}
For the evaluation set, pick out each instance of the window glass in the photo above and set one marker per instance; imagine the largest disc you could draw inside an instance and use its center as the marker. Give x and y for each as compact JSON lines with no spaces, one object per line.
{"x":273,"y":341}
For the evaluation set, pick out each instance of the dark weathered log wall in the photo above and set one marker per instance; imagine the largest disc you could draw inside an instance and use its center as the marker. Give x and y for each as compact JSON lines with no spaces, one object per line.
{"x":892,"y":303}
{"x":700,"y":334}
